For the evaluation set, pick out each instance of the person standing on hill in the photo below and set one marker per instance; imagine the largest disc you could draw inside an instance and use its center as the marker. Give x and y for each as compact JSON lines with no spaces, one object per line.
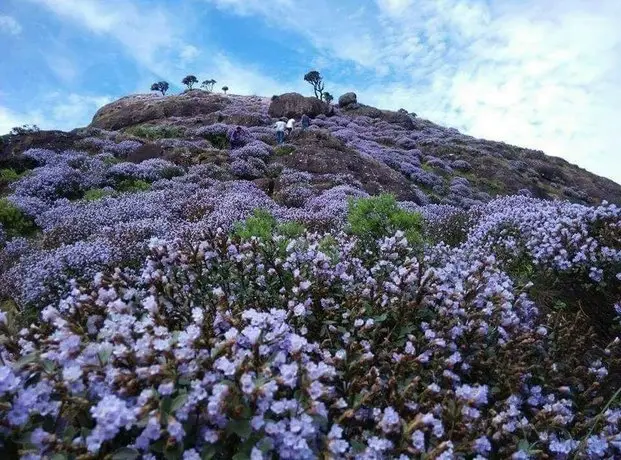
{"x":305,"y":122}
{"x":236,"y":137}
{"x":280,"y":126}
{"x":290,"y":125}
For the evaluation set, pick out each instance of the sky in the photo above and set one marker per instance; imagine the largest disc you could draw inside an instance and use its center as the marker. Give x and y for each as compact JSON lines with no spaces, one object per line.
{"x":544,"y":74}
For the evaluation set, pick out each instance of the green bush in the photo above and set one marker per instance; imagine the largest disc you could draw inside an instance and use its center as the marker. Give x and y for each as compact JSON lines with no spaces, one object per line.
{"x":9,"y":175}
{"x":13,"y":221}
{"x":283,"y":150}
{"x":155,"y":132}
{"x":263,"y":225}
{"x":219,"y":141}
{"x":132,"y":185}
{"x":376,"y":217}
{"x":96,"y":194}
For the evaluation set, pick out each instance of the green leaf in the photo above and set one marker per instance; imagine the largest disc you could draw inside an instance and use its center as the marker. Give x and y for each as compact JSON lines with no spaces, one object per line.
{"x":25,"y":360}
{"x":209,"y":451}
{"x":104,"y":355}
{"x":125,"y":453}
{"x":49,"y":366}
{"x":524,"y":445}
{"x":265,"y":445}
{"x":165,"y":405}
{"x":357,"y":446}
{"x":174,"y":452}
{"x":178,"y":402}
{"x":59,"y":457}
{"x":241,"y":428}
{"x":381,"y":318}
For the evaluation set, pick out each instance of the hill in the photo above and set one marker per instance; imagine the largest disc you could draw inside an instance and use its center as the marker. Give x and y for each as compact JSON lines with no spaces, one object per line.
{"x":375,"y":287}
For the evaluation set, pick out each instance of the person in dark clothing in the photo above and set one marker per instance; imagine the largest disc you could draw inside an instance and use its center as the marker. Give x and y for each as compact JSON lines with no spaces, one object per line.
{"x":236,"y":138}
{"x":305,"y":122}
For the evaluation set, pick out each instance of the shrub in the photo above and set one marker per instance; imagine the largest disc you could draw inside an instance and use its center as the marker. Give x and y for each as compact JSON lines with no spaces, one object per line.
{"x":9,"y":175}
{"x":132,"y":185}
{"x":283,"y":150}
{"x":377,"y":217}
{"x":155,"y":132}
{"x":97,"y":194}
{"x":13,"y":221}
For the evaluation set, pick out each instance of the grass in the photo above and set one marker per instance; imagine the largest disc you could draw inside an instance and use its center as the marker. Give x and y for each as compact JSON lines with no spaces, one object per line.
{"x":155,"y":132}
{"x":283,"y":150}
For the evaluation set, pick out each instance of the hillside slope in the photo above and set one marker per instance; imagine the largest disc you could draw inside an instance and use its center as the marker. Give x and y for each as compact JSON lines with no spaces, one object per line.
{"x":381,"y":150}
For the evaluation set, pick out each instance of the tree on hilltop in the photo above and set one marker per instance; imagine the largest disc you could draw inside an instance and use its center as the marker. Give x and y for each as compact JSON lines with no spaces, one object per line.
{"x":161,"y":86}
{"x":314,"y":78}
{"x":225,"y":89}
{"x":328,"y":97}
{"x":189,"y":81}
{"x":207,"y":85}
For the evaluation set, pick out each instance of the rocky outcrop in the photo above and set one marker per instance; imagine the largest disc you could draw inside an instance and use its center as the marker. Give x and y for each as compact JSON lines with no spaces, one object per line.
{"x":294,"y":105}
{"x":348,"y":99}
{"x":132,"y":110}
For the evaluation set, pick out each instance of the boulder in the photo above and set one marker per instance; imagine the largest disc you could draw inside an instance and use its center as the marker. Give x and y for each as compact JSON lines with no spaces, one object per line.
{"x":294,"y":105}
{"x":133,"y":110}
{"x":348,"y":99}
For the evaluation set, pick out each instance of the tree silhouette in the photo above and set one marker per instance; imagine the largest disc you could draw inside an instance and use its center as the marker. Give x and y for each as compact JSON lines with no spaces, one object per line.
{"x":189,"y":81}
{"x":208,"y":85}
{"x":225,"y":89}
{"x":161,"y":86}
{"x":328,"y":97}
{"x":314,"y":78}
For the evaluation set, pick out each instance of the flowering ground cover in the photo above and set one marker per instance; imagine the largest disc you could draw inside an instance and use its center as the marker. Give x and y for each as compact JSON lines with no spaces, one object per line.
{"x":157,"y":311}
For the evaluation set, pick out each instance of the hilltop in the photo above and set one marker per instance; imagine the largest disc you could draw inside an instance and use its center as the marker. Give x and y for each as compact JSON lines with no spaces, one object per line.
{"x":379,"y":150}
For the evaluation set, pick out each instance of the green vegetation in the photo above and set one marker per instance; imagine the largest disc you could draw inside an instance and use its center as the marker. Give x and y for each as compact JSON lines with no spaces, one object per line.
{"x":155,"y":132}
{"x":9,"y":175}
{"x":132,"y":185}
{"x":96,"y":194}
{"x":219,"y":141}
{"x":263,"y":225}
{"x":13,"y":221}
{"x":376,"y":217}
{"x":283,"y":150}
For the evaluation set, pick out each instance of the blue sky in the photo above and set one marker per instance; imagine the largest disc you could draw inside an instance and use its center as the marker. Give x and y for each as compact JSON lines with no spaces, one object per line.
{"x":537,"y":73}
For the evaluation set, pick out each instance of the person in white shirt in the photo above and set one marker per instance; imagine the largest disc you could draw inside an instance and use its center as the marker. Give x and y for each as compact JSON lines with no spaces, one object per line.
{"x":280,"y":126}
{"x":290,"y":125}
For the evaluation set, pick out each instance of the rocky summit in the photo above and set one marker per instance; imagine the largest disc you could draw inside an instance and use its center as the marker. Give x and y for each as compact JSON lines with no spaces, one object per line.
{"x":175,"y":284}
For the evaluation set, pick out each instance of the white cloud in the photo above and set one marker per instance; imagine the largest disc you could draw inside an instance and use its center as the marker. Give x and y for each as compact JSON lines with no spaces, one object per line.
{"x":147,"y":34}
{"x":57,"y":111}
{"x":9,"y":25}
{"x":189,"y":53}
{"x":542,"y":75}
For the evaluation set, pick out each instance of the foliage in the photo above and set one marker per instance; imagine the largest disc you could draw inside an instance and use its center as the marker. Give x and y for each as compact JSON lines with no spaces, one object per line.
{"x":316,"y":80}
{"x":189,"y":81}
{"x":155,"y":132}
{"x":328,"y":97}
{"x":133,"y":185}
{"x":24,"y":129}
{"x":208,"y":85}
{"x":285,"y":149}
{"x":225,"y":89}
{"x":96,"y":194}
{"x":377,"y":217}
{"x":13,"y":222}
{"x":161,"y":86}
{"x":9,"y":175}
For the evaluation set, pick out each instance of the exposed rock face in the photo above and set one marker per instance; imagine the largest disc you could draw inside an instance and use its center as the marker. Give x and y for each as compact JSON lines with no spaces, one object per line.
{"x":132,"y":110}
{"x":399,"y":118}
{"x":294,"y":105}
{"x":348,"y":99}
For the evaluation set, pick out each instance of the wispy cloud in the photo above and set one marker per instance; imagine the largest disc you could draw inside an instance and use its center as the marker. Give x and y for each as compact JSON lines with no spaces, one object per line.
{"x":9,"y":25}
